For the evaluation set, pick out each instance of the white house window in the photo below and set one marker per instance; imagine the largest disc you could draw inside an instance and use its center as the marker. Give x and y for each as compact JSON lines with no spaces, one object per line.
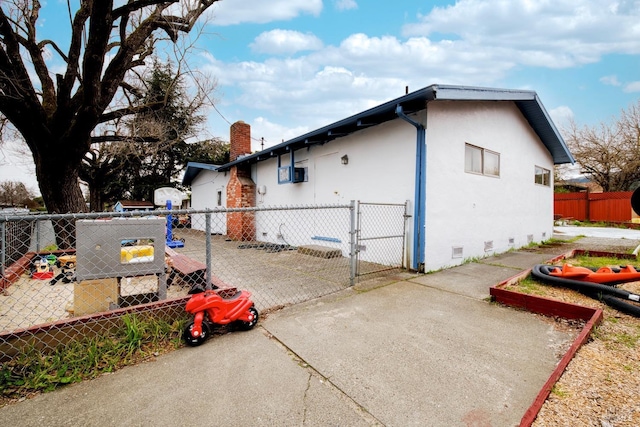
{"x":543,"y":176}
{"x":481,"y":161}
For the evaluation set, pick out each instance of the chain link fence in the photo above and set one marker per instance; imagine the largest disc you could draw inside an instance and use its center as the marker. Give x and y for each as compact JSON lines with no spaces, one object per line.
{"x":65,"y":276}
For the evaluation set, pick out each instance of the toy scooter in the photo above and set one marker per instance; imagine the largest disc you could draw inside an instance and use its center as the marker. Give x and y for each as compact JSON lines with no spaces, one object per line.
{"x":220,"y":307}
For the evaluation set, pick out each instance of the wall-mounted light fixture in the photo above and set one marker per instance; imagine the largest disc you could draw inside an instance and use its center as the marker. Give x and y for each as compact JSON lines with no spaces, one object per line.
{"x":344,"y":159}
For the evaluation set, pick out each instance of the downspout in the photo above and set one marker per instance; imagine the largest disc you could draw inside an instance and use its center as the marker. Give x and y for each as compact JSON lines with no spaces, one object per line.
{"x":420,"y":198}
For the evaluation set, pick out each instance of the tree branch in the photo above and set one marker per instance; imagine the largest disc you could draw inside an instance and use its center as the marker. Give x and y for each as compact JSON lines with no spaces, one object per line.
{"x":130,"y":110}
{"x":99,"y":139}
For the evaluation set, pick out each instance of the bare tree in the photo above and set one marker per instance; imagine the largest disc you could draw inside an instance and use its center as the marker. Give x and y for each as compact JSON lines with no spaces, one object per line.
{"x":56,"y":114}
{"x":609,"y":153}
{"x":14,"y":194}
{"x":155,"y":147}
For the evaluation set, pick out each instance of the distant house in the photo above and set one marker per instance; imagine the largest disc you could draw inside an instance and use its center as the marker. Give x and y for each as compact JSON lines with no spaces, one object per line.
{"x":132,"y":205}
{"x":576,"y":185}
{"x":475,"y":164}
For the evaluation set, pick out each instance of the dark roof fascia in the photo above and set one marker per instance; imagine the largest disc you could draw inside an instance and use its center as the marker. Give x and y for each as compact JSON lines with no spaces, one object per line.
{"x":194,"y":168}
{"x":135,"y":203}
{"x":411,"y":103}
{"x":529,"y":105}
{"x":527,"y":101}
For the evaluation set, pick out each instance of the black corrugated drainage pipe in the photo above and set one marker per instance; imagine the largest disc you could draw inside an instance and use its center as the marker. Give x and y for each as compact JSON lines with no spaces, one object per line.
{"x":609,"y":294}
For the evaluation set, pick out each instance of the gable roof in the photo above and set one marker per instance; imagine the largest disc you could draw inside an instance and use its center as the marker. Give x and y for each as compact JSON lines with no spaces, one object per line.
{"x":527,"y":102}
{"x":194,"y":168}
{"x":134,"y":204}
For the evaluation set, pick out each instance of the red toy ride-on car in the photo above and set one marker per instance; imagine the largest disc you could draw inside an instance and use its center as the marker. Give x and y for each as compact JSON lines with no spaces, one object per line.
{"x":221,"y":307}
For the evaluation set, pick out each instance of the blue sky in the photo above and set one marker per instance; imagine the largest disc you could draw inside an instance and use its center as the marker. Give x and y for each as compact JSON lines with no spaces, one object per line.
{"x":287,"y":67}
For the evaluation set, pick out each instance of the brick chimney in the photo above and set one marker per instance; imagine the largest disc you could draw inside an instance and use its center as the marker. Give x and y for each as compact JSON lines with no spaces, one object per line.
{"x":240,"y":140}
{"x":241,"y":190}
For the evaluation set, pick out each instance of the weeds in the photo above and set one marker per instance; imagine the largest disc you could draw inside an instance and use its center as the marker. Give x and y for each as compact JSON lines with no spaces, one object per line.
{"x":35,"y":371}
{"x":626,"y":339}
{"x":557,"y":390}
{"x":529,"y":286}
{"x":597,"y":262}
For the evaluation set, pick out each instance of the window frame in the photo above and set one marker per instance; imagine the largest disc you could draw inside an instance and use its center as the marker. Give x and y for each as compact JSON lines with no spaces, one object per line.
{"x":483,"y":163}
{"x":544,"y":172}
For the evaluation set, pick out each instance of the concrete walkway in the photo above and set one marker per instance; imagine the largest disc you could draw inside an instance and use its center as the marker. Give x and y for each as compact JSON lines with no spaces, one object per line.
{"x":404,"y":351}
{"x":602,"y":232}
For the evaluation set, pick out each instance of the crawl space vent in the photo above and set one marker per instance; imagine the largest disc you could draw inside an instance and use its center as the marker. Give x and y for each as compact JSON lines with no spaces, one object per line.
{"x":529,"y":238}
{"x":488,"y":245}
{"x":544,"y":235}
{"x":512,"y":241}
{"x":456,"y":252}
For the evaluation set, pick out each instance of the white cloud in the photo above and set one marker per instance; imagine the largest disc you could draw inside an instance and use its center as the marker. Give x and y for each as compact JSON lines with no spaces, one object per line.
{"x":473,"y":42}
{"x":548,"y":33}
{"x":561,"y":116}
{"x":272,"y":133}
{"x":345,"y":4}
{"x":632,"y":87}
{"x":611,"y":80}
{"x":336,"y":81}
{"x":231,"y":12}
{"x":279,"y":42}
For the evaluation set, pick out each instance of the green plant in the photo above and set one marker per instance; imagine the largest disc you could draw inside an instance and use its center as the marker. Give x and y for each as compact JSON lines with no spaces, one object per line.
{"x":528,"y":285}
{"x":557,"y":391}
{"x":626,"y":339}
{"x":597,"y":262}
{"x":35,"y":370}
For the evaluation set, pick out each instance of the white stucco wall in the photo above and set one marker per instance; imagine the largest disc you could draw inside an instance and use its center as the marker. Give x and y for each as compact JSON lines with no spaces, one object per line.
{"x":466,"y":210}
{"x":381,"y":169}
{"x":204,"y":195}
{"x":463,"y":210}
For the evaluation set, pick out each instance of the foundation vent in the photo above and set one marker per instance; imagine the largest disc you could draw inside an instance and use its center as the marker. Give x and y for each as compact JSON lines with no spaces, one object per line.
{"x":456,"y":252}
{"x":529,"y":238}
{"x":544,"y":235}
{"x":512,"y":241}
{"x":488,"y":245}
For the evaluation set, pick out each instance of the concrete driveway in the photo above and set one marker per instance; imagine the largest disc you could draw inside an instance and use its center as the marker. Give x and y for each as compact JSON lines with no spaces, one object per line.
{"x":405,"y":350}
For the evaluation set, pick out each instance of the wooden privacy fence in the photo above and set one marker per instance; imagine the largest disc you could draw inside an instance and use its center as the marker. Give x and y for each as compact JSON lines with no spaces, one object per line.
{"x":610,"y":207}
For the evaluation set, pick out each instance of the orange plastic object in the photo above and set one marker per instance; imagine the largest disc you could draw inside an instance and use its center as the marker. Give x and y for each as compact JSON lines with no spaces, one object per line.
{"x":627,"y":273}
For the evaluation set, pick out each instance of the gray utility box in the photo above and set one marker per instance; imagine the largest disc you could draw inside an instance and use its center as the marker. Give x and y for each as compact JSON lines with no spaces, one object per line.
{"x":121,"y":247}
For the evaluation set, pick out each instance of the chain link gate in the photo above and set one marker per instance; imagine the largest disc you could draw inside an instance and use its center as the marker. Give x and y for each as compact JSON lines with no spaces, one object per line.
{"x":380,"y":238}
{"x":117,"y":264}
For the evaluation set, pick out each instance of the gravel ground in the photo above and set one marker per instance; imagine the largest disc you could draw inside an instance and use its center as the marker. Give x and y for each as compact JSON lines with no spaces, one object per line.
{"x":601,"y":385}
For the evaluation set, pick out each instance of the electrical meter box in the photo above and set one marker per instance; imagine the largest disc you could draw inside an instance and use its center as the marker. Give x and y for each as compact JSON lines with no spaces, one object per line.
{"x":120,"y":247}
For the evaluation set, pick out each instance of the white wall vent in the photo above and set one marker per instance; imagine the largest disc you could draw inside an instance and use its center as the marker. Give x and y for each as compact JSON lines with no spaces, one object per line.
{"x":529,"y":238}
{"x":544,"y":235}
{"x":456,"y":252}
{"x":512,"y":241}
{"x":488,"y":245}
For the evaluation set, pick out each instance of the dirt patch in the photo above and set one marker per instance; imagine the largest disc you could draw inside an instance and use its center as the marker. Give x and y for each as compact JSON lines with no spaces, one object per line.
{"x":30,"y":302}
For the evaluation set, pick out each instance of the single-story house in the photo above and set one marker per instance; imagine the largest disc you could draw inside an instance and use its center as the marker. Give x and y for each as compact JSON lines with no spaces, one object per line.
{"x":475,"y":165}
{"x":133,"y":205}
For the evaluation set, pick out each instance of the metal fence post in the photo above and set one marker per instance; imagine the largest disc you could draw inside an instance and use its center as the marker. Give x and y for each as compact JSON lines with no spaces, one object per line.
{"x":37,"y":236}
{"x":3,"y":247}
{"x":353,"y":244}
{"x":207,"y":239}
{"x":407,"y":214}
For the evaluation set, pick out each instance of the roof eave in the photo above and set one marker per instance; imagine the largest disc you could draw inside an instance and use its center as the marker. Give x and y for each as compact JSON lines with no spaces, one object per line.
{"x":526,"y":100}
{"x":194,"y":168}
